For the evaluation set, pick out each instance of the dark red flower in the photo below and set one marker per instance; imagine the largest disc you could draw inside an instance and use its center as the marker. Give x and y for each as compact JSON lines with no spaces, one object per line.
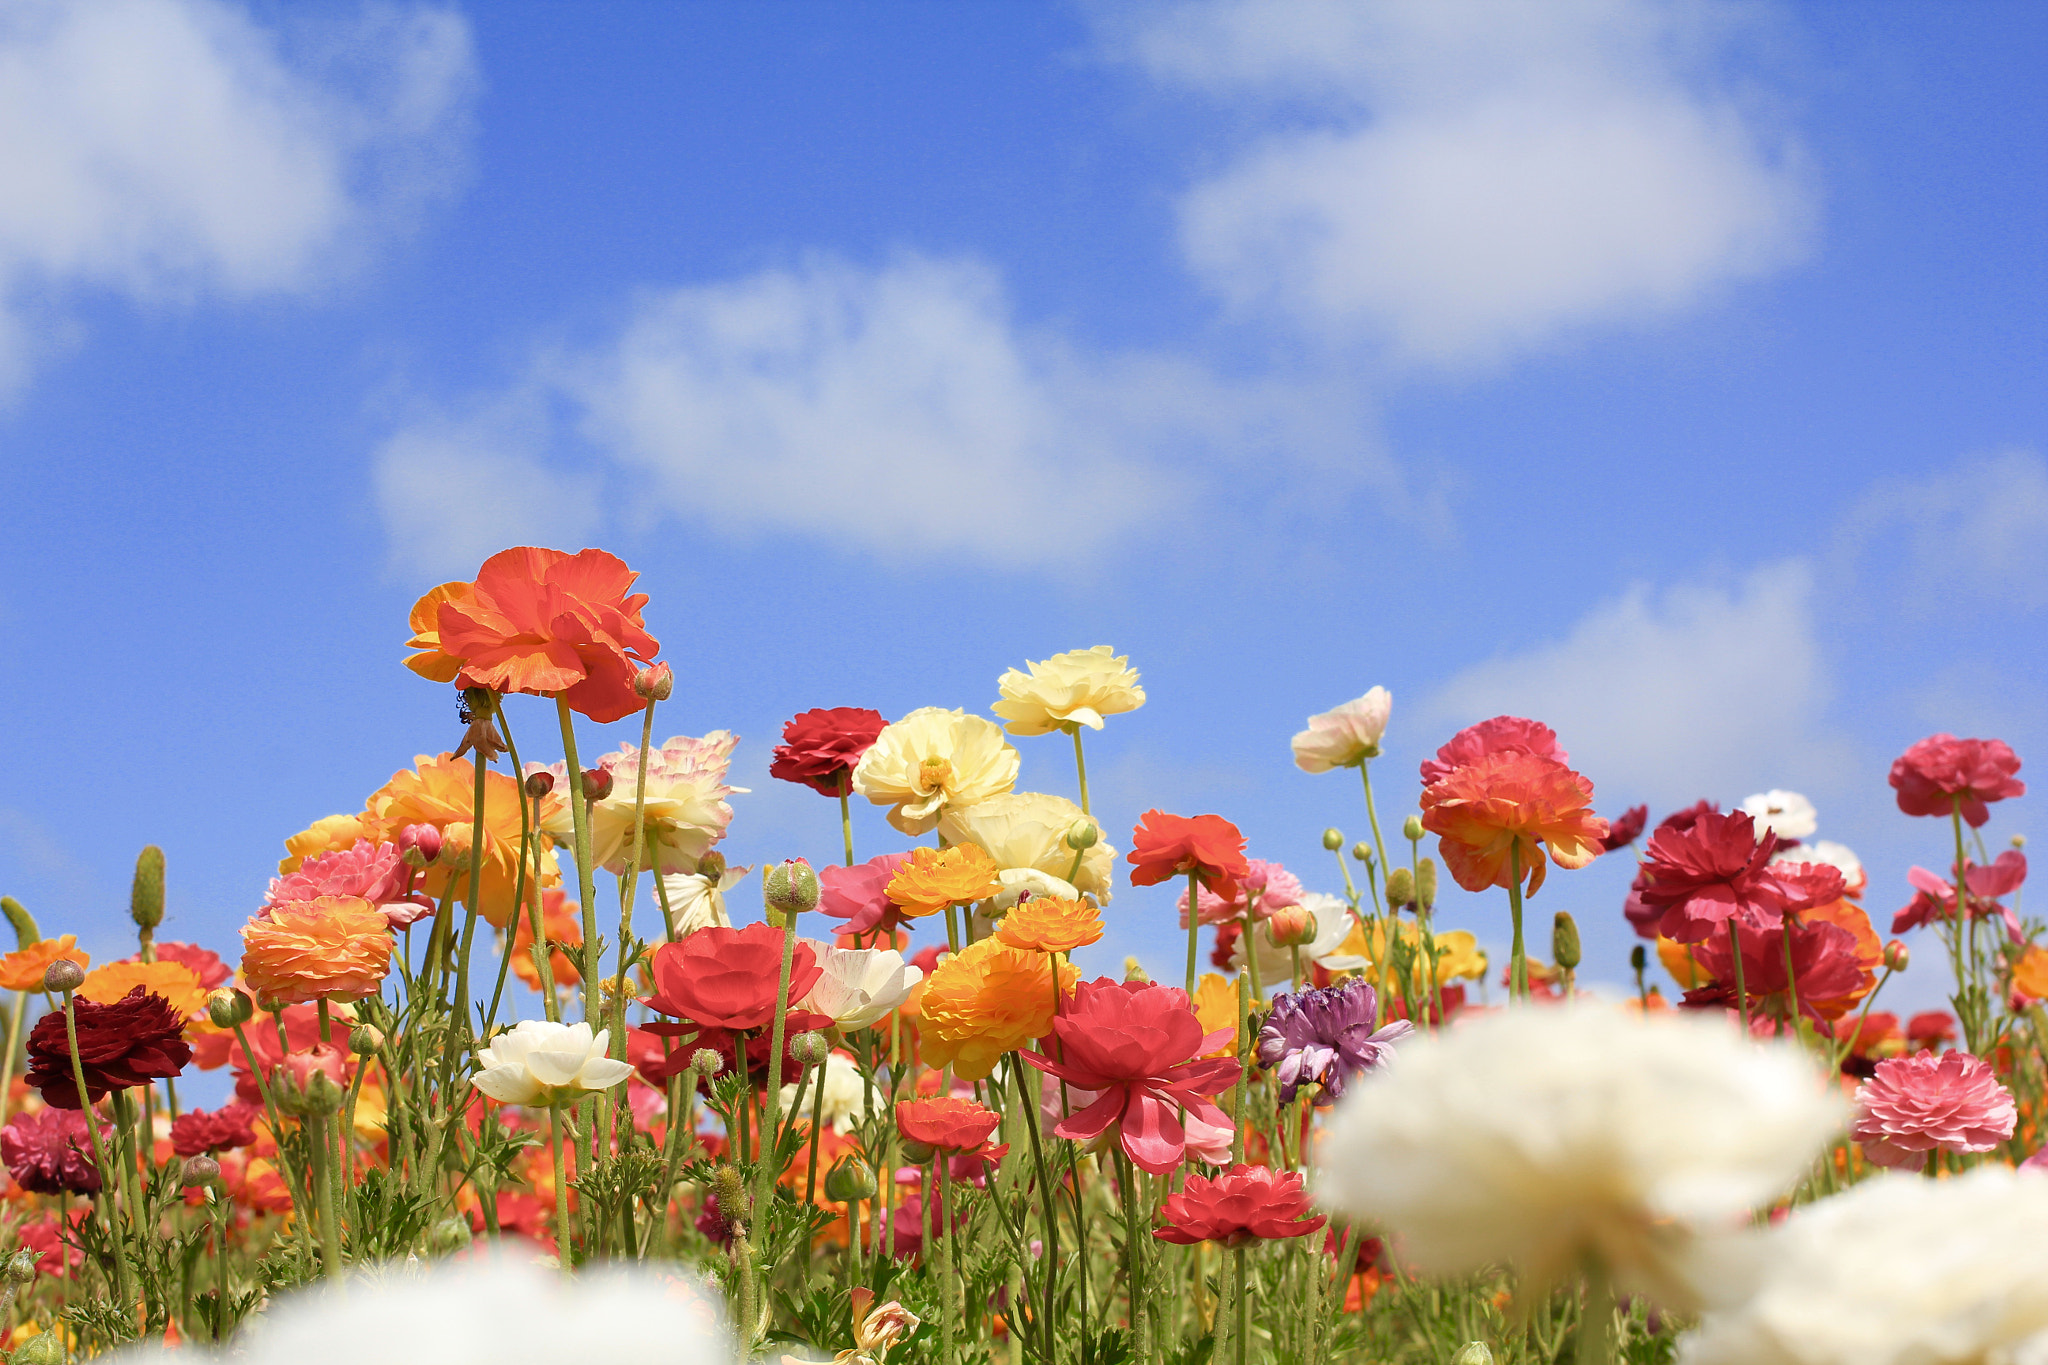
{"x":946,"y":1124}
{"x":131,"y":1041}
{"x":1165,"y":846}
{"x":820,"y":748}
{"x":727,"y":978}
{"x":1699,"y":877}
{"x":1243,"y":1204}
{"x":1625,"y":831}
{"x":1935,"y":899}
{"x":1501,"y":735}
{"x":1934,"y":774}
{"x":50,"y":1152}
{"x":199,"y":1132}
{"x":1224,"y":954}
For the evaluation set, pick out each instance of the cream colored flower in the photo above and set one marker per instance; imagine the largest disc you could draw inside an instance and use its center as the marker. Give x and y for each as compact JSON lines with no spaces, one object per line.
{"x":1787,"y":814}
{"x":1076,"y":688}
{"x":1026,"y":834}
{"x":540,"y":1062}
{"x":1898,"y":1270}
{"x":857,"y":986}
{"x":1346,"y":736}
{"x":1276,"y":964}
{"x":934,"y":760}
{"x":698,"y":901}
{"x":685,"y":810}
{"x":1544,"y":1137}
{"x":848,"y":1098}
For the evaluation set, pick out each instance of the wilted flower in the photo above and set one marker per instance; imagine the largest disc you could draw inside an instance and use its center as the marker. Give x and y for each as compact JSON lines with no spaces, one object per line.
{"x":1048,"y":924}
{"x":1076,"y":688}
{"x":50,"y":1152}
{"x":1788,"y":815}
{"x":858,"y":986}
{"x":1501,"y":735}
{"x":1025,"y":833}
{"x":1939,"y":772}
{"x":539,"y":1062}
{"x":1346,"y":736}
{"x":932,"y":759}
{"x":1325,"y":1037}
{"x":333,"y":948}
{"x":1511,"y":803}
{"x":121,"y":1043}
{"x":986,"y":1000}
{"x":1950,"y":1101}
{"x":1243,"y":1204}
{"x":1208,"y":846}
{"x":820,"y":747}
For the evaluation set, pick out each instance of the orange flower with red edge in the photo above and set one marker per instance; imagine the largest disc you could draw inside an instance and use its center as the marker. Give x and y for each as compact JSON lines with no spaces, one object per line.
{"x":441,"y":792}
{"x":1508,"y":808}
{"x":986,"y":1000}
{"x":562,"y":924}
{"x":178,"y":984}
{"x":1165,"y":846}
{"x":332,"y":948}
{"x":23,"y":971}
{"x":935,"y":878}
{"x":1051,"y":924}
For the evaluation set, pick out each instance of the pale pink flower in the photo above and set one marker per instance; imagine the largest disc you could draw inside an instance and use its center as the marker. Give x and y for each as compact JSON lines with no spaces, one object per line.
{"x":375,"y":872}
{"x":1346,"y":736}
{"x":1268,"y":886}
{"x":1916,"y":1104}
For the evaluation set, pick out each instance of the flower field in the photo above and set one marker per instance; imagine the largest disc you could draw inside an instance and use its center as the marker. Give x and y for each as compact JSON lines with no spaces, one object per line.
{"x":507,"y":1082}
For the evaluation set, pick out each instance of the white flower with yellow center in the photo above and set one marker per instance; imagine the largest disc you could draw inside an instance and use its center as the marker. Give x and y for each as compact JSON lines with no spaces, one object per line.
{"x":857,"y":986}
{"x":1076,"y":688}
{"x":543,"y":1063}
{"x":934,"y":760}
{"x":1026,"y":834}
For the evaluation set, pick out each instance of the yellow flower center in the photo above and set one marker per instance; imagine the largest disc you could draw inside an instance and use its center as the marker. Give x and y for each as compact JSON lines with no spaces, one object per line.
{"x":933,"y":774}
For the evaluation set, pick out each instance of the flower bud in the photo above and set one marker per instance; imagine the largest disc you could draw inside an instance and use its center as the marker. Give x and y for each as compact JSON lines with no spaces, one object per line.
{"x":1291,"y":926}
{"x":46,"y":1349}
{"x":1363,"y":852}
{"x":850,"y":1179}
{"x":1083,"y":834}
{"x":731,"y":1189}
{"x":63,"y":975}
{"x":711,"y":865}
{"x":228,"y":1007}
{"x":597,"y":783}
{"x":448,"y":1236}
{"x":1134,"y":970}
{"x":200,"y":1170}
{"x":146,"y":893}
{"x":419,"y":845}
{"x":2019,"y":841}
{"x":917,"y":1153}
{"x":1564,"y":941}
{"x":1400,"y":888}
{"x":1639,"y":959}
{"x":365,"y":1040}
{"x":1333,"y":839}
{"x":26,"y":933}
{"x":21,"y":1266}
{"x":321,"y":1095}
{"x":810,"y":1049}
{"x":1425,"y":883}
{"x":455,"y":846}
{"x":1411,"y":828}
{"x":1897,"y":955}
{"x":790,"y":888}
{"x":1473,"y":1353}
{"x":539,"y":784}
{"x":654,"y":683}
{"x":706,"y":1062}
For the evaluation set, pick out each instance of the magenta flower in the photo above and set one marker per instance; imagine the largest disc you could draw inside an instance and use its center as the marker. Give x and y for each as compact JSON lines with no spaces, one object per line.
{"x":1935,"y":899}
{"x":50,"y":1152}
{"x":1933,"y":775}
{"x":1947,"y":1101}
{"x":858,"y":894}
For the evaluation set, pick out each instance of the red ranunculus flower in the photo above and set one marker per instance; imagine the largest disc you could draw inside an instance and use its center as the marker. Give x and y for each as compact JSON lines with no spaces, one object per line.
{"x":1165,"y":846}
{"x":820,"y":747}
{"x":131,"y":1041}
{"x":1243,"y":1204}
{"x":946,"y":1124}
{"x":1501,"y":735}
{"x":198,"y":1132}
{"x":1698,"y":878}
{"x":725,"y":1043}
{"x":1931,"y":775}
{"x":50,"y":1152}
{"x":1824,"y":963}
{"x":726,"y":978}
{"x":1135,"y":1043}
{"x":1625,"y":831}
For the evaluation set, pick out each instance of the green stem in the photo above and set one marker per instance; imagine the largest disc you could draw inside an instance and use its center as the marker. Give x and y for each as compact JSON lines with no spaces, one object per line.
{"x":949,"y":1270}
{"x":1135,"y":1235}
{"x":14,"y":1022}
{"x":586,"y":885}
{"x":1966,"y":931}
{"x":846,"y":812}
{"x":1081,"y":772}
{"x":564,"y":1251}
{"x":764,"y":1177}
{"x":1596,"y":1319}
{"x":1046,"y":1196}
{"x":108,"y":1175}
{"x":1372,"y":813}
{"x":1195,"y":923}
{"x":481,"y":766}
{"x":1518,"y":982}
{"x":323,"y":1194}
{"x":1244,"y":1309}
{"x":1741,"y":987}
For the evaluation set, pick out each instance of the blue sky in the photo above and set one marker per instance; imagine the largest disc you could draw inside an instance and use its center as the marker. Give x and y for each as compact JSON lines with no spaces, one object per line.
{"x":1668,"y":372}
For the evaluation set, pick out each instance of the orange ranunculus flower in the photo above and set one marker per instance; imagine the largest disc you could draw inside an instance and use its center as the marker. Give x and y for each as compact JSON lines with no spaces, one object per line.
{"x":178,"y":984}
{"x":1215,"y":1005}
{"x":1679,"y":961}
{"x":543,"y":622}
{"x":561,"y":921}
{"x":986,"y":1000}
{"x":333,"y":947}
{"x":1510,"y":802}
{"x":438,"y":792}
{"x":2030,"y":973}
{"x":23,"y":971}
{"x":1051,"y":924}
{"x":328,"y":834}
{"x":1869,"y":953}
{"x":936,"y":878}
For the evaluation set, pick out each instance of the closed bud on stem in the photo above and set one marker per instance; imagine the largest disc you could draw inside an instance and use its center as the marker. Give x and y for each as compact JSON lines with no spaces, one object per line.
{"x":448,"y":1236}
{"x":917,"y":1153}
{"x":790,"y":888}
{"x":706,"y":1062}
{"x":1473,"y":1353}
{"x":654,"y":683}
{"x":731,"y":1188}
{"x":47,"y":1349}
{"x":200,"y":1170}
{"x":21,"y":1266}
{"x":227,"y":1007}
{"x":1564,"y":941}
{"x":2019,"y":841}
{"x":1082,"y":834}
{"x":419,"y":845}
{"x":146,"y":893}
{"x":455,"y":844}
{"x":849,"y":1179}
{"x":365,"y":1040}
{"x":810,"y":1048}
{"x":1333,"y":839}
{"x":24,"y":924}
{"x":63,"y":975}
{"x":1291,"y":926}
{"x":1897,"y":955}
{"x":711,"y":865}
{"x":1425,"y":883}
{"x":1411,"y":828}
{"x":1400,"y":888}
{"x":322,"y":1095}
{"x":1639,"y":959}
{"x":597,"y":784}
{"x":539,"y":785}
{"x":1134,"y":970}
{"x":1363,"y":852}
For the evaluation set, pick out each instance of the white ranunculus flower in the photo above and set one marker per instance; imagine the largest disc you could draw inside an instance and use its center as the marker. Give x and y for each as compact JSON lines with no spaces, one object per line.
{"x":1787,"y":814}
{"x":934,"y":760}
{"x":684,"y":811}
{"x":1026,"y":834}
{"x":1078,"y":687}
{"x":1838,"y":856}
{"x":1346,"y":736}
{"x":542,"y":1063}
{"x":1544,"y":1137}
{"x":1898,"y":1270}
{"x":1276,"y":964}
{"x":857,"y":986}
{"x":845,"y":1094}
{"x":698,"y":902}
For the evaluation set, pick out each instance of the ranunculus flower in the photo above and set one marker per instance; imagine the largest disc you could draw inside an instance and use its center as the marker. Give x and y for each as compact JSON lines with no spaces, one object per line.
{"x":1501,"y":735}
{"x":1838,"y":856}
{"x":328,"y":834}
{"x":441,"y":792}
{"x":1826,"y":963}
{"x":544,"y":1063}
{"x":1026,"y":834}
{"x":373,"y":872}
{"x":685,"y":811}
{"x":23,"y":970}
{"x":1048,"y":924}
{"x":727,"y":978}
{"x":1136,"y":1044}
{"x":697,"y":899}
{"x":1696,"y":878}
{"x":986,"y":1000}
{"x":561,"y":924}
{"x":1933,"y":775}
{"x":858,"y":986}
{"x":199,"y":1132}
{"x":1265,"y":887}
{"x":1165,"y":846}
{"x":1935,"y":899}
{"x":931,"y":879}
{"x":1788,"y":815}
{"x":1625,"y":831}
{"x":331,"y":948}
{"x":1344,"y":736}
{"x":1326,"y":948}
{"x":543,"y":622}
{"x":1913,"y":1105}
{"x":121,"y":1043}
{"x":203,"y":962}
{"x":50,"y":1152}
{"x":946,"y":1124}
{"x":848,"y":1097}
{"x":1243,"y":1204}
{"x":859,"y":894}
{"x":1068,"y":690}
{"x":174,"y":981}
{"x":820,"y":747}
{"x":1931,"y":1029}
{"x":1511,"y":802}
{"x":1325,"y":1037}
{"x":932,"y":759}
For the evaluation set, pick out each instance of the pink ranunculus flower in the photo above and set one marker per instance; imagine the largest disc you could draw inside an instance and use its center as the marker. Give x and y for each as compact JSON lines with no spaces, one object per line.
{"x":860,"y":894}
{"x":1345,"y":736}
{"x":1268,"y":886}
{"x":1935,"y":899}
{"x":1933,"y":774}
{"x":1501,"y":735}
{"x":375,"y":872}
{"x":1950,"y":1101}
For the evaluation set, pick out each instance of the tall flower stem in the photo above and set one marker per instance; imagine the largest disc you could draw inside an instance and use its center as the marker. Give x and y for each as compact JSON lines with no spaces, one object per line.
{"x":99,"y":1154}
{"x":14,"y":1022}
{"x":1519,"y":957}
{"x":1194,"y":924}
{"x":764,"y":1177}
{"x":1741,"y":986}
{"x":586,"y":884}
{"x":1791,"y":980}
{"x":1081,"y":771}
{"x":1379,"y":845}
{"x":1966,"y":931}
{"x":1244,"y":1308}
{"x":323,"y":1194}
{"x":817,"y":1127}
{"x":846,"y":811}
{"x":529,"y":889}
{"x":1046,"y":1195}
{"x":949,"y":1261}
{"x":1134,"y":1256}
{"x":481,"y":763}
{"x":565,"y":1253}
{"x":1596,"y":1319}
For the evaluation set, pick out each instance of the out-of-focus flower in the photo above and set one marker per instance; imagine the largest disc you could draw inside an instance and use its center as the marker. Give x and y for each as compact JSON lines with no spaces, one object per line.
{"x":1325,"y":1037}
{"x":173,"y":981}
{"x":1625,"y":831}
{"x":1136,"y":1044}
{"x":881,"y":1327}
{"x":50,"y":1152}
{"x":440,"y":792}
{"x":1165,"y":846}
{"x":1931,"y":1029}
{"x":727,"y":978}
{"x":328,"y":834}
{"x":683,"y":813}
{"x":1934,"y":775}
{"x":1511,"y":802}
{"x":1788,"y":815}
{"x":542,"y":622}
{"x":1333,"y":927}
{"x":1243,"y":1204}
{"x":1838,"y":856}
{"x":1935,"y":899}
{"x":1697,"y":877}
{"x":374,"y":872}
{"x":561,"y":924}
{"x":1026,"y":834}
{"x":932,"y":759}
{"x":1896,"y":1271}
{"x":946,"y":1124}
{"x":2030,"y":973}
{"x":1345,"y":736}
{"x":931,"y":879}
{"x":539,"y":1062}
{"x":858,"y":986}
{"x":1048,"y":924}
{"x":820,"y":747}
{"x":204,"y":963}
{"x":333,"y":948}
{"x":848,"y":1098}
{"x":201,"y":1132}
{"x":1216,"y":1009}
{"x":1265,"y":887}
{"x":1949,"y":1101}
{"x":697,"y":899}
{"x":859,"y":894}
{"x":985,"y":1000}
{"x":23,"y":970}
{"x":1830,"y":963}
{"x":1068,"y":690}
{"x":1458,"y":954}
{"x":121,"y":1043}
{"x":1501,"y":735}
{"x":1544,"y":1137}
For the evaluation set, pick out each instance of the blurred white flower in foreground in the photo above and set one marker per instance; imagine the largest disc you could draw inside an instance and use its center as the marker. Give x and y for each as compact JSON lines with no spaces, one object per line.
{"x":1899,"y":1270}
{"x":1545,"y":1137}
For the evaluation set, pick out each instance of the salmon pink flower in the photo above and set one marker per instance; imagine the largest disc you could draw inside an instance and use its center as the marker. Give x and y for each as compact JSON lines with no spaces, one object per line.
{"x":1345,"y":736}
{"x":946,"y":1124}
{"x":203,"y":962}
{"x":1936,"y":899}
{"x":127,"y":1042}
{"x":561,"y":924}
{"x":50,"y":1152}
{"x":1700,"y":876}
{"x":1325,"y":1037}
{"x":860,"y":894}
{"x":1951,"y":1101}
{"x":374,"y":872}
{"x":1939,"y":772}
{"x":1501,"y":735}
{"x":1165,"y":846}
{"x":1511,"y":803}
{"x":727,"y":978}
{"x":821,"y":747}
{"x":330,"y":948}
{"x":1243,"y":1204}
{"x":1929,"y":1030}
{"x":1265,"y":887}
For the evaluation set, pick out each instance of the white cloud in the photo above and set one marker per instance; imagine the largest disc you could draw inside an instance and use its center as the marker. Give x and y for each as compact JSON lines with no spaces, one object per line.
{"x":1463,"y":180}
{"x":165,"y":150}
{"x":1977,"y":529}
{"x":1696,"y":691}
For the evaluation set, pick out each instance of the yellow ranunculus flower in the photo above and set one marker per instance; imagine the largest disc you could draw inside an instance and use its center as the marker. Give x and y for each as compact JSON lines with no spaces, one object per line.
{"x":1026,"y":834}
{"x":1458,"y":954}
{"x":1078,"y":687}
{"x":934,"y":760}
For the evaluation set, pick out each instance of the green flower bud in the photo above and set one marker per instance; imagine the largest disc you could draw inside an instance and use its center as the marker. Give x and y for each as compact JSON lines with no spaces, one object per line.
{"x":1134,"y":970}
{"x":706,"y":1062}
{"x":25,"y":931}
{"x":21,"y":1266}
{"x":790,"y":888}
{"x":1564,"y":941}
{"x":1638,"y":959}
{"x":448,"y":1236}
{"x":47,"y":1349}
{"x":200,"y":1170}
{"x":322,"y":1095}
{"x":146,"y":895}
{"x":227,"y":1008}
{"x":850,"y":1179}
{"x":63,"y":975}
{"x":1363,"y":852}
{"x":711,"y":865}
{"x":1400,"y":888}
{"x":731,"y":1188}
{"x":1411,"y":828}
{"x":365,"y":1040}
{"x":1425,"y":883}
{"x":1333,"y":839}
{"x":1082,"y":835}
{"x":1473,"y":1353}
{"x":810,"y":1048}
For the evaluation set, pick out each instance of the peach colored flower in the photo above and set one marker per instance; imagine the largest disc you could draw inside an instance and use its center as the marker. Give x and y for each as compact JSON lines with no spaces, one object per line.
{"x":174,"y":981}
{"x":1511,"y":803}
{"x":431,"y":663}
{"x":439,"y":792}
{"x":334,"y":948}
{"x":562,"y":924}
{"x":23,"y":970}
{"x":1048,"y":924}
{"x":1344,"y":736}
{"x":986,"y":1000}
{"x":328,"y":834}
{"x":936,"y":878}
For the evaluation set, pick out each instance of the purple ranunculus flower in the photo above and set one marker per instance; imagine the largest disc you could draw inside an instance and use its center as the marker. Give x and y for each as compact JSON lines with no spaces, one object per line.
{"x":1325,"y":1036}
